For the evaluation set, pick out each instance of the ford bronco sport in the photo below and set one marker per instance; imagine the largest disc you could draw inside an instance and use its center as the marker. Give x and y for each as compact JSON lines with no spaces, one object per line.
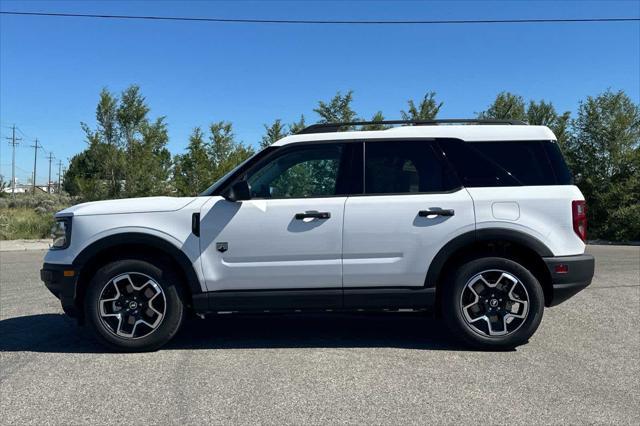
{"x":475,"y":220}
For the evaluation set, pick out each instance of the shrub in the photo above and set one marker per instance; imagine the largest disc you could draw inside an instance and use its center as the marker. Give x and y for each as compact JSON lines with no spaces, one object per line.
{"x":624,"y":223}
{"x":24,"y":223}
{"x":28,"y":216}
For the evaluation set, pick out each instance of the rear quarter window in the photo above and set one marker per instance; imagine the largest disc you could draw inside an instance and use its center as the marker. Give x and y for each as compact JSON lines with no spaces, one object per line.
{"x":507,"y":163}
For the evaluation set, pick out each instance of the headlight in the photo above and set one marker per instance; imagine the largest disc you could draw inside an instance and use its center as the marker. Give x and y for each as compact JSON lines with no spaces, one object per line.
{"x":61,"y":233}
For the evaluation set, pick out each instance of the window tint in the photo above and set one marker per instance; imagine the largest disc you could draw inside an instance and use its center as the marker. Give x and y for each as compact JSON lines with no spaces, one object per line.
{"x":563,"y":175}
{"x":398,"y":167}
{"x":301,"y":172}
{"x":506,"y":163}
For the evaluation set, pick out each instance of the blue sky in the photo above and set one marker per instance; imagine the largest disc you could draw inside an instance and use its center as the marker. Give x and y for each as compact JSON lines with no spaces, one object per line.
{"x":52,"y":69}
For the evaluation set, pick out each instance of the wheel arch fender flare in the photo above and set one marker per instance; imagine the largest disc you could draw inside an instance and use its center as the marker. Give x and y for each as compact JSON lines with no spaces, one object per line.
{"x":125,"y":239}
{"x":478,"y":236}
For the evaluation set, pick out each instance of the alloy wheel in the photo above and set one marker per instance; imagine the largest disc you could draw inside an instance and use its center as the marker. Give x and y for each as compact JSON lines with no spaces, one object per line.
{"x":494,"y":303}
{"x":132,"y":305}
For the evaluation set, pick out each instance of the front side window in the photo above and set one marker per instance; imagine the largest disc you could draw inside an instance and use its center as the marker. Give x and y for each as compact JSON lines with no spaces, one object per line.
{"x":404,"y":167}
{"x":301,"y":172}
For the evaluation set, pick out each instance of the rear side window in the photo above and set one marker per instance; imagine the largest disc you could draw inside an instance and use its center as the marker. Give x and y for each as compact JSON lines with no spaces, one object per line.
{"x":405,"y":167}
{"x":507,"y":163}
{"x":563,"y":175}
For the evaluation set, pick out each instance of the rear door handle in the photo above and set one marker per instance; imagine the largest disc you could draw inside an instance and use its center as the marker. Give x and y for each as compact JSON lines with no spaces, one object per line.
{"x":315,"y":215}
{"x":436,"y":212}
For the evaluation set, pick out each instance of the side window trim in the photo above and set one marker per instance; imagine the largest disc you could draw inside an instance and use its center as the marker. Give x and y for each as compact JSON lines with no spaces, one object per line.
{"x":364,"y":167}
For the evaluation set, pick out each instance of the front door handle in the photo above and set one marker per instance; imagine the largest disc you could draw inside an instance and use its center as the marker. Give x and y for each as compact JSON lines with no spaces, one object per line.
{"x":436,"y":212}
{"x":315,"y":215}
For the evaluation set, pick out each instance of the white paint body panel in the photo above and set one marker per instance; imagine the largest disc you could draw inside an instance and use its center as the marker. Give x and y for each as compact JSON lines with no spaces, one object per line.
{"x":268,"y":248}
{"x":387,"y":244}
{"x":544,"y":212}
{"x":173,"y":226}
{"x":128,"y":205}
{"x":467,"y":133}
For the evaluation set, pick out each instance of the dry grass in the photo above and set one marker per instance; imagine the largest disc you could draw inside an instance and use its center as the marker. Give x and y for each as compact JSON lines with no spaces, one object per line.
{"x":24,"y":223}
{"x":30,"y":216}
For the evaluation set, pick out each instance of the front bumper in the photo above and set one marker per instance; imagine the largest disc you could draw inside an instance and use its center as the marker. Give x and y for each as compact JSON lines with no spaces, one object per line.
{"x":61,"y":280}
{"x":579,"y":273}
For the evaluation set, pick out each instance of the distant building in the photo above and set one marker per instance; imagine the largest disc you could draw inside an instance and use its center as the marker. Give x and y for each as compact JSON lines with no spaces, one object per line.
{"x":25,"y":188}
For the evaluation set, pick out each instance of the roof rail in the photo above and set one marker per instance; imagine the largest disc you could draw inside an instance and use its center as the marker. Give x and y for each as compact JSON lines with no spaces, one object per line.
{"x":335,"y":127}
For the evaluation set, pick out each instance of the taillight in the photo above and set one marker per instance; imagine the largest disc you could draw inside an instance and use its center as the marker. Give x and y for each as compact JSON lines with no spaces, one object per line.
{"x":579,"y":213}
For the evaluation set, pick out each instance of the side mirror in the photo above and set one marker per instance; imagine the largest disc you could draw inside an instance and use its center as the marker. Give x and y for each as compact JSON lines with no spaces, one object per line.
{"x":239,"y":191}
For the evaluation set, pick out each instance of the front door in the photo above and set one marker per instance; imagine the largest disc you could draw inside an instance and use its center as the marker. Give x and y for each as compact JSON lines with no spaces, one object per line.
{"x":289,"y":234}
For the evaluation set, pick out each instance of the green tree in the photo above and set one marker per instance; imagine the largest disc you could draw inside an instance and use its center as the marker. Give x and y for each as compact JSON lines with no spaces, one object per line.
{"x":541,"y":113}
{"x":149,"y":162}
{"x":506,"y":106}
{"x":297,"y":126}
{"x":126,"y":153}
{"x":132,"y":115}
{"x":377,"y":117}
{"x":544,"y":114}
{"x":427,"y":109}
{"x":561,"y":128}
{"x":86,"y":175}
{"x":604,"y":151}
{"x":225,"y":153}
{"x":107,"y":117}
{"x":275,"y":132}
{"x":108,"y":133}
{"x":193,"y":170}
{"x":337,"y":110}
{"x":3,"y":186}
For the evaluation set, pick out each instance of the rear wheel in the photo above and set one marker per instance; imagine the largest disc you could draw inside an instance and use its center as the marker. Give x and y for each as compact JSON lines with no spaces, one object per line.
{"x":133,"y":305}
{"x":493,"y":303}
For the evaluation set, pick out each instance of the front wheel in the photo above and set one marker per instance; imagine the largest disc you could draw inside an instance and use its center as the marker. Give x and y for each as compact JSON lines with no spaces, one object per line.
{"x":493,"y":303}
{"x":133,"y":305}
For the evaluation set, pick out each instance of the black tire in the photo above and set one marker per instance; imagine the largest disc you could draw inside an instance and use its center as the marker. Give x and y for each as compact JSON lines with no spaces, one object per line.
{"x":452,"y":304}
{"x":168,"y":324}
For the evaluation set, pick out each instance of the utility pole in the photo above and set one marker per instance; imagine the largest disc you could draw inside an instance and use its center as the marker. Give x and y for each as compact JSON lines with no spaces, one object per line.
{"x":50,"y":157}
{"x":64,"y":171}
{"x":13,"y":142}
{"x":35,"y":162}
{"x":59,"y":176}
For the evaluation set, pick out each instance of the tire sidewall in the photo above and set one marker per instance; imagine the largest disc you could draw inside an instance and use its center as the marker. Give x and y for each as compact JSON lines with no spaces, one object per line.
{"x":455,"y":317}
{"x":174,"y":313}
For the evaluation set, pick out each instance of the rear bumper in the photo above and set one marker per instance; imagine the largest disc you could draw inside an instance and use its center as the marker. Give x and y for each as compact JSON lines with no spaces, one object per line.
{"x":578,"y":275}
{"x":62,"y":285}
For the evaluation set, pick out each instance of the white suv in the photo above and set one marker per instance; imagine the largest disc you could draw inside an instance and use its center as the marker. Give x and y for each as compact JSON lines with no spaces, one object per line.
{"x":477,"y":221}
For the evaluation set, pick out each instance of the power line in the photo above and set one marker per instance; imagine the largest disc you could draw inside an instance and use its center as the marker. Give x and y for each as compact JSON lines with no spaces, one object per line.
{"x":321,"y":22}
{"x":23,"y":133}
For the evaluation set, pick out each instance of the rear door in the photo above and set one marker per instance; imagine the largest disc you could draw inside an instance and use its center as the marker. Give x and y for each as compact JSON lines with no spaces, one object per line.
{"x":411,"y":207}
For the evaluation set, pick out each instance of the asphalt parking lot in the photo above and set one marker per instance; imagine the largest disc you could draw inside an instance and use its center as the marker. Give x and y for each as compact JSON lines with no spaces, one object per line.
{"x":582,"y":366}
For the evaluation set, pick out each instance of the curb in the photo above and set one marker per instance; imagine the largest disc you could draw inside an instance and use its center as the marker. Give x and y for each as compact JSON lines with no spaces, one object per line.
{"x":24,"y":245}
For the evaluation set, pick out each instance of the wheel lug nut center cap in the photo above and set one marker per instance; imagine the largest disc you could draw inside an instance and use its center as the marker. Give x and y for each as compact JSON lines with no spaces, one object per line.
{"x":493,"y":303}
{"x":133,"y":305}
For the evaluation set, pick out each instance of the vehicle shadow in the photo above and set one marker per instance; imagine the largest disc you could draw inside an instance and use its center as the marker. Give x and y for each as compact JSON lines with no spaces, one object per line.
{"x":59,"y":334}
